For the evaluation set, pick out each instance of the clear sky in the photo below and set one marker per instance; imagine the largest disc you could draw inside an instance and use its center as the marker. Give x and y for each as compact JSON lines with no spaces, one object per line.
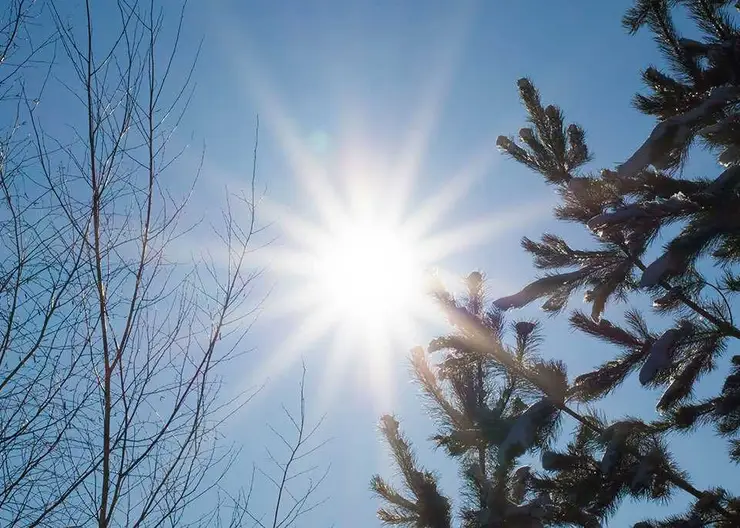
{"x":396,"y":98}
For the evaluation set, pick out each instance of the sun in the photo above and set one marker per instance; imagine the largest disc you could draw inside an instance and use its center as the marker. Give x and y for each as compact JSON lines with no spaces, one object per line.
{"x":353,"y":288}
{"x":353,"y":274}
{"x":356,"y":247}
{"x":359,"y":273}
{"x":357,"y":231}
{"x":360,"y":227}
{"x":369,"y":274}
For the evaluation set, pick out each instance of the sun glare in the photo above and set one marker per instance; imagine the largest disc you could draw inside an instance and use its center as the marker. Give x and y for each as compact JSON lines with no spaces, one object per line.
{"x":354,"y":279}
{"x":358,"y":239}
{"x":369,"y":274}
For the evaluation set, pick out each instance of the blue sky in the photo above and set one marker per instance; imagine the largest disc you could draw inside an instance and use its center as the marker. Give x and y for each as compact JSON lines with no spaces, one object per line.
{"x":396,"y":82}
{"x":373,"y":74}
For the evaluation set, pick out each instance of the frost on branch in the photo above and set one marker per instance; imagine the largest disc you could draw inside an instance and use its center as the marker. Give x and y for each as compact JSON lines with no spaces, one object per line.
{"x":533,"y":510}
{"x":537,"y":289}
{"x":676,"y":388}
{"x":598,"y":296}
{"x":652,"y":209}
{"x":660,"y":354}
{"x":726,"y":181}
{"x":617,"y":217}
{"x":523,"y":433}
{"x":666,"y":264}
{"x":669,"y":298}
{"x":615,"y":436}
{"x":673,"y":131}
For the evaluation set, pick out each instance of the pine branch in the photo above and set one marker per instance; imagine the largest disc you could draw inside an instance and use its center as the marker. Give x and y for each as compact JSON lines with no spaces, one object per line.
{"x":473,"y":327}
{"x":724,"y":326}
{"x":428,"y":508}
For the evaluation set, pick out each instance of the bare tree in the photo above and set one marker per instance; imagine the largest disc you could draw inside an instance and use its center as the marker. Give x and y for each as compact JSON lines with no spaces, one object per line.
{"x":292,"y":475}
{"x":109,"y":348}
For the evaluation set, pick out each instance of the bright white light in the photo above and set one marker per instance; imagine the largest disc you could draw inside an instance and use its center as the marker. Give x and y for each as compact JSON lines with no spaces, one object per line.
{"x":369,"y":274}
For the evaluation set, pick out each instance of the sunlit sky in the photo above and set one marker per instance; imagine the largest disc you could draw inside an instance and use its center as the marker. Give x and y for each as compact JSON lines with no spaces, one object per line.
{"x":385,"y":113}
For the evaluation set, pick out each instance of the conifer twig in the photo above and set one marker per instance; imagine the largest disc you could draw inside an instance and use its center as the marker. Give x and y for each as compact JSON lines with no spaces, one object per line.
{"x":470,"y":324}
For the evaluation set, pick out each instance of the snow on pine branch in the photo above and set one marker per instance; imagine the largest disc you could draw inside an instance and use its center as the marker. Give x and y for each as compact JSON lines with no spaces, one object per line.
{"x":661,"y":353}
{"x":725,"y":181}
{"x":523,"y":433}
{"x":659,"y":268}
{"x":614,"y":439}
{"x":674,"y":130}
{"x":675,"y":204}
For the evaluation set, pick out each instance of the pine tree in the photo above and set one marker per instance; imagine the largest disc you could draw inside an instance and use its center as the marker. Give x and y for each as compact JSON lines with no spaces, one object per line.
{"x":489,"y":412}
{"x":496,"y":402}
{"x":626,"y":210}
